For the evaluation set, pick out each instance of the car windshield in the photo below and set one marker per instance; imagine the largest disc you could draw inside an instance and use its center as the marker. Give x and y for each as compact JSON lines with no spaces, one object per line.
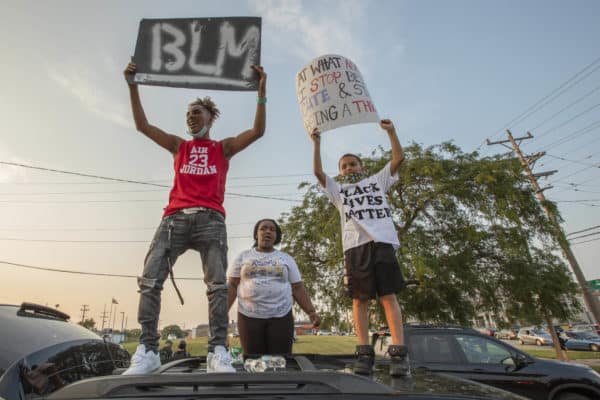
{"x":587,"y":335}
{"x":583,"y":328}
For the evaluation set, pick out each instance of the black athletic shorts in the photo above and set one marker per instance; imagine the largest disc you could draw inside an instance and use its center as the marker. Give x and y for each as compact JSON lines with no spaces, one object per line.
{"x":372,"y":270}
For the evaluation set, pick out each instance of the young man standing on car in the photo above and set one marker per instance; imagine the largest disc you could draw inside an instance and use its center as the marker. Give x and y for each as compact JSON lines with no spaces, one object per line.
{"x":193,"y":219}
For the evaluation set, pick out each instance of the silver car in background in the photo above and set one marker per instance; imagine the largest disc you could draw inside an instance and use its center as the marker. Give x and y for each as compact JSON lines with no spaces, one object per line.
{"x":534,"y":335}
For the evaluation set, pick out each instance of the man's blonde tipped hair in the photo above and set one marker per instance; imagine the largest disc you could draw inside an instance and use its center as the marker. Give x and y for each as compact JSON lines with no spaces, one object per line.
{"x":210,"y":106}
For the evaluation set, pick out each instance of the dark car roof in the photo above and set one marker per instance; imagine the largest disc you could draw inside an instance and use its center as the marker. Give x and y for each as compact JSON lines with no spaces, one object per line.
{"x":307,"y":374}
{"x":29,"y":328}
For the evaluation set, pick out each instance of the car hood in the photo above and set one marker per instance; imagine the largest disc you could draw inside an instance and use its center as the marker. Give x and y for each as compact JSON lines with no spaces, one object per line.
{"x":426,"y":382}
{"x":564,"y":366}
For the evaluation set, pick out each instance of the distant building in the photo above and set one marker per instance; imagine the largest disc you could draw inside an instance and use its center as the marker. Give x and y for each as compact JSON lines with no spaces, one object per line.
{"x":200,"y":331}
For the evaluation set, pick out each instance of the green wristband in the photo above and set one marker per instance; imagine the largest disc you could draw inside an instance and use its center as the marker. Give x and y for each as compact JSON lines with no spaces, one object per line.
{"x":261,"y":100}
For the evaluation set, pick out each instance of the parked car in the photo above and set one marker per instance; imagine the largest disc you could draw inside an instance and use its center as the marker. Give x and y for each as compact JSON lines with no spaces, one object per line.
{"x":586,"y":327}
{"x":466,"y":353}
{"x":584,"y":340}
{"x":533,"y":335}
{"x":41,"y":352}
{"x":510,"y":334}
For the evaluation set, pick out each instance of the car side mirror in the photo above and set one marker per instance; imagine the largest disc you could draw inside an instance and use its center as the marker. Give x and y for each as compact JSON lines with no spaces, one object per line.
{"x":520,"y":361}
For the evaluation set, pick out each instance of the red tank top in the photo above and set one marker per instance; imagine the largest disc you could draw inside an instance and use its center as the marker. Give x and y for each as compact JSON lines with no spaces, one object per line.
{"x":200,"y":176}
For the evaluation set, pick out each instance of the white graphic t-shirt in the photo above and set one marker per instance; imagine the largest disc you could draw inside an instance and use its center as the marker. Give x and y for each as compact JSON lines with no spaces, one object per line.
{"x":364,"y":210}
{"x":265,"y":289}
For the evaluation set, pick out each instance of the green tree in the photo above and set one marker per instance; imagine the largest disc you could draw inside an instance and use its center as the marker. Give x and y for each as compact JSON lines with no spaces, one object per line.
{"x":172,"y":330}
{"x":133,"y":334}
{"x":462,"y":221}
{"x":88,"y":323}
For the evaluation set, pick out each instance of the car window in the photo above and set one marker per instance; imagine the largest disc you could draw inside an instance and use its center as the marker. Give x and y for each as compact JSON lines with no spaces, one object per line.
{"x":433,"y":348}
{"x":481,"y":350}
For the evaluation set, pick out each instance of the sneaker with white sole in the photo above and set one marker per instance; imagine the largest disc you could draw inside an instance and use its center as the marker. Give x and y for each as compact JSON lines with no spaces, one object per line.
{"x":143,"y":362}
{"x":219,"y":360}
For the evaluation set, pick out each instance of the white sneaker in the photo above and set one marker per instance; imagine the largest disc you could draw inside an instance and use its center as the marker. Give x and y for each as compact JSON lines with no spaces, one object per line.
{"x":219,"y":361}
{"x":143,"y":362}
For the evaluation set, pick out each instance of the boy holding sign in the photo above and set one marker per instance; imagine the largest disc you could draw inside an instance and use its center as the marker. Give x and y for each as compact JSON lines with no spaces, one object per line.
{"x":193,"y":219}
{"x":369,"y":240}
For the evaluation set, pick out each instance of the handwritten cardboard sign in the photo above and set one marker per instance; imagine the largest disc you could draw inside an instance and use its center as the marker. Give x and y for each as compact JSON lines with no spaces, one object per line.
{"x":205,"y":53}
{"x":332,"y":93}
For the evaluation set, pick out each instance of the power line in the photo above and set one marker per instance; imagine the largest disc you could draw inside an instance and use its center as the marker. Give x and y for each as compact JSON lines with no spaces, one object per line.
{"x":81,"y":174}
{"x":141,"y":182}
{"x":94,"y":241}
{"x":575,"y":161}
{"x":525,"y":114}
{"x":136,"y":182}
{"x":585,"y":241}
{"x":565,"y":108}
{"x":576,"y":201}
{"x":582,"y":204}
{"x":582,"y":131}
{"x":66,"y":271}
{"x":569,"y":120}
{"x":582,"y":236}
{"x":583,"y":230}
{"x":118,"y":201}
{"x":585,"y":146}
{"x":132,"y":191}
{"x":150,"y":228}
{"x":578,"y":171}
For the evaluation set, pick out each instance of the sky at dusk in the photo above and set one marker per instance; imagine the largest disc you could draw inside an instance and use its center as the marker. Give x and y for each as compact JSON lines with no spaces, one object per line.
{"x":459,"y":71}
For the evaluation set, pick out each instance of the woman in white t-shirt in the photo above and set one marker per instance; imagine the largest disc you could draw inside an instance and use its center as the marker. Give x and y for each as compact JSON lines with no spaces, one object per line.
{"x":266,"y":282}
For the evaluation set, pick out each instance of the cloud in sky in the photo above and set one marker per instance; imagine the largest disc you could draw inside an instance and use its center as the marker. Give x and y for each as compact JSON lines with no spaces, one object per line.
{"x":79,"y":83}
{"x":302,"y":29}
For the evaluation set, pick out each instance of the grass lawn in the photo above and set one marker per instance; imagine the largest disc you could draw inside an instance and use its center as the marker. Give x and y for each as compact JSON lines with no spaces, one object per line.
{"x":573,"y":355}
{"x":340,"y":345}
{"x":304,"y":344}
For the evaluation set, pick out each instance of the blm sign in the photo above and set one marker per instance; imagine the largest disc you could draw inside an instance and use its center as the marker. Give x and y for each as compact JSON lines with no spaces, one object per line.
{"x":332,"y":93}
{"x":203,"y":53}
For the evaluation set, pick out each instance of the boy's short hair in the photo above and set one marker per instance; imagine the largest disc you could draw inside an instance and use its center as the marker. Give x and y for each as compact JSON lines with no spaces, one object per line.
{"x":210,"y":106}
{"x":350,"y":155}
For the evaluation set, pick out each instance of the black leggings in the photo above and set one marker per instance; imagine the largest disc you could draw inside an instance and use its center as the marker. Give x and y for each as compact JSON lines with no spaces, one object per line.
{"x":266,"y":336}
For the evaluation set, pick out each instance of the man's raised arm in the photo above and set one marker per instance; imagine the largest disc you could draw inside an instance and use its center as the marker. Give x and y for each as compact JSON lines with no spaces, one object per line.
{"x":234,"y":145}
{"x":160,"y":137}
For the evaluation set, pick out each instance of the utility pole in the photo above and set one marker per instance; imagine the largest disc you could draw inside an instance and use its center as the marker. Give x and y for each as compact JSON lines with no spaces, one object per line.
{"x":527,"y":162}
{"x":103,"y":316}
{"x":122,"y":321}
{"x":84,"y":308}
{"x":114,"y":318}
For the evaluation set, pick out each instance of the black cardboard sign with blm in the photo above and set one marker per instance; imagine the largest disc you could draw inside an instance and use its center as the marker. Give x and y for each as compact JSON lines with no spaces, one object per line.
{"x":200,"y":53}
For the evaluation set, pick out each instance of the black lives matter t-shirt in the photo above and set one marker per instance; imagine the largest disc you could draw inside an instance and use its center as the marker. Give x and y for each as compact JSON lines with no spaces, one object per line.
{"x":364,"y":210}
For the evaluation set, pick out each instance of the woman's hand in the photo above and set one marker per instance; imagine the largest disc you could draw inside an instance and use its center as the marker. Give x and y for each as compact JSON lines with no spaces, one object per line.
{"x":315,"y":319}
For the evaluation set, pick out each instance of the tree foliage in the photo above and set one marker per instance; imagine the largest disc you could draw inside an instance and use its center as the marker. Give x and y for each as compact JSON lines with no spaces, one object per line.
{"x":88,"y":323}
{"x":470,"y":230}
{"x":172,"y":330}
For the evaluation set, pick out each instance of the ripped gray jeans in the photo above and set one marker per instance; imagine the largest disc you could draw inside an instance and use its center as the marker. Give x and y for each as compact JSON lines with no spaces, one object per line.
{"x":205,"y":232}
